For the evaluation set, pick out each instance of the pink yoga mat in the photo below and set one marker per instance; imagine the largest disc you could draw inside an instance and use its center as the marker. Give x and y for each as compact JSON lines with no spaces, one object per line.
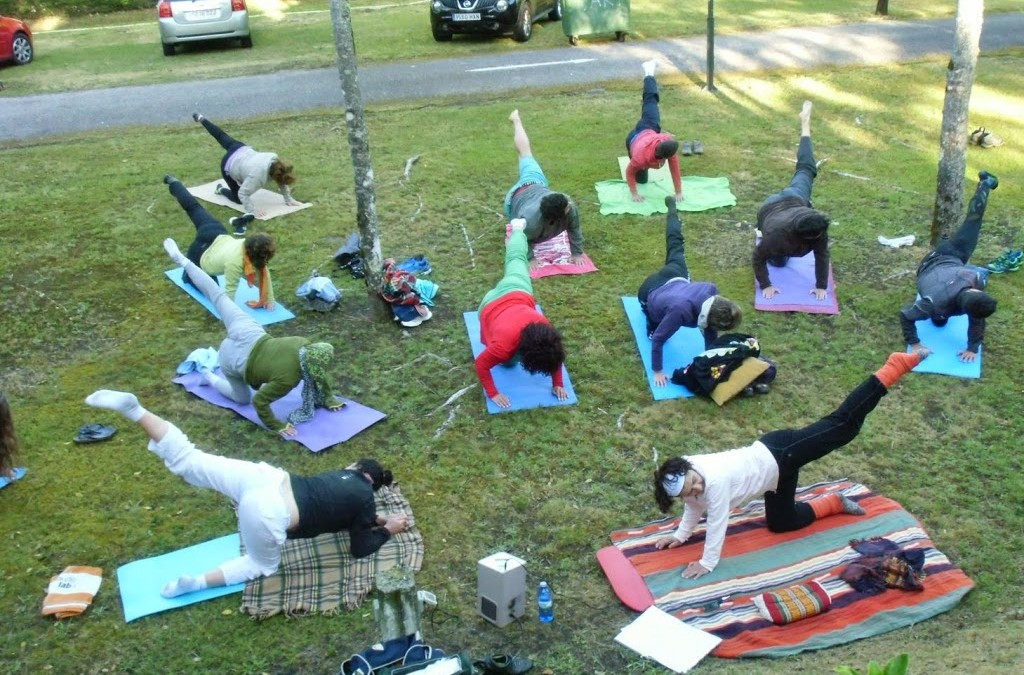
{"x":553,"y":256}
{"x":327,"y":427}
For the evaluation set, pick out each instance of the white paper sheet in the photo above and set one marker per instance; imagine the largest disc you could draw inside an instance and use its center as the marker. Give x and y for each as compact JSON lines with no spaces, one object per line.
{"x":658,"y":635}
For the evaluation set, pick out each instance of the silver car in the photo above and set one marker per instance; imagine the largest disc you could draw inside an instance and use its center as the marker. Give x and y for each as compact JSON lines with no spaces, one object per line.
{"x":197,"y":20}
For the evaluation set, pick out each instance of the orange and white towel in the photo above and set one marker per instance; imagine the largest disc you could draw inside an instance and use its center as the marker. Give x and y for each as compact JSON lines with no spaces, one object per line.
{"x":71,"y":592}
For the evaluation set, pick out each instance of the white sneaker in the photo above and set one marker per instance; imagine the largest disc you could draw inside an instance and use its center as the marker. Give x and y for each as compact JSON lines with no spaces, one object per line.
{"x":412,"y":323}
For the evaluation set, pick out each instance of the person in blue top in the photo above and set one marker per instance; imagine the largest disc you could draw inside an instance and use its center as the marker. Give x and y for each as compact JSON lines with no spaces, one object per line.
{"x":272,"y":504}
{"x":670,"y":300}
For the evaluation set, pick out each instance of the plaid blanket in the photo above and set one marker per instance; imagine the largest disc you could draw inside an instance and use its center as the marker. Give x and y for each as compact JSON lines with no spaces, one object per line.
{"x":320,"y":575}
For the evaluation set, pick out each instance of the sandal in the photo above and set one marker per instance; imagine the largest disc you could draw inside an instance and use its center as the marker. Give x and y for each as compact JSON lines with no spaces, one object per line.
{"x":984,"y":138}
{"x":94,"y":433}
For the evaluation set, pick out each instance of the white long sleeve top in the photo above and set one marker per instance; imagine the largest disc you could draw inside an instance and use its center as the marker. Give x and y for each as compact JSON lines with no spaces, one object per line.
{"x":731,"y":478}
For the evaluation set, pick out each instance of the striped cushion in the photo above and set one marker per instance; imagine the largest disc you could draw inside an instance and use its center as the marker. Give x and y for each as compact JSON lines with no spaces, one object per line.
{"x":793,"y":603}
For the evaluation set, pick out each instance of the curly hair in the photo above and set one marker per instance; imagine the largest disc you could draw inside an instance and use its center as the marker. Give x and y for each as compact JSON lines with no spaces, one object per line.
{"x":378,"y":474}
{"x":553,"y":206}
{"x":260,"y":247}
{"x":724,"y":314}
{"x":676,"y":465}
{"x":540,"y":348}
{"x":8,"y":439}
{"x":281,"y":172}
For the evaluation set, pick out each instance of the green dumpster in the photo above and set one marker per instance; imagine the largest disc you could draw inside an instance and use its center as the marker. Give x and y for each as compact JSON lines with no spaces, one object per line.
{"x":592,"y":17}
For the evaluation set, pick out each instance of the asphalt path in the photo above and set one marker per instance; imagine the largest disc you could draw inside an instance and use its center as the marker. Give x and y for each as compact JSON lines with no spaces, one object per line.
{"x":874,"y":43}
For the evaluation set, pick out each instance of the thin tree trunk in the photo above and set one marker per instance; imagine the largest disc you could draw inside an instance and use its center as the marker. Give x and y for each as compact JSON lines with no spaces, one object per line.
{"x":359,"y":144}
{"x":949,"y":197}
{"x":882,"y":8}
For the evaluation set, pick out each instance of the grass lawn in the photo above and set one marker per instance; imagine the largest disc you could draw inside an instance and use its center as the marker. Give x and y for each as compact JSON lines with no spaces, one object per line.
{"x":124,"y":48}
{"x":86,"y":306}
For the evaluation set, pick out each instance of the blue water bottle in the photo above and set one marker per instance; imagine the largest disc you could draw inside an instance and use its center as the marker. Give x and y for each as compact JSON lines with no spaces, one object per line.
{"x":545,"y":603}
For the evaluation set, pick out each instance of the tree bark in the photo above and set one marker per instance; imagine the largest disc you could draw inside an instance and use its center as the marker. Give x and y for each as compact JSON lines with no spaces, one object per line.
{"x":949,"y":197}
{"x":711,"y":46}
{"x":882,"y":8}
{"x":359,"y":145}
{"x":396,"y":607}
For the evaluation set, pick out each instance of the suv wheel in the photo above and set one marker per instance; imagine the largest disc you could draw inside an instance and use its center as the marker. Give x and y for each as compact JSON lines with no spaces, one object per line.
{"x":524,"y":23}
{"x":168,"y":49}
{"x":441,"y":34}
{"x":556,"y":13}
{"x":246,"y":42}
{"x":21,"y":48}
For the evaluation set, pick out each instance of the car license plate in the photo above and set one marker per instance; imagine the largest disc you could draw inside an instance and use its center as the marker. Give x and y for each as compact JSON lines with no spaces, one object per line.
{"x":475,"y":16}
{"x":202,"y":15}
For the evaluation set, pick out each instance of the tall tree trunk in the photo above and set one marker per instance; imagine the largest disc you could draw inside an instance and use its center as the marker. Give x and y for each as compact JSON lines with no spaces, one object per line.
{"x":711,"y":46}
{"x":949,"y":197}
{"x":359,"y":144}
{"x":882,"y":8}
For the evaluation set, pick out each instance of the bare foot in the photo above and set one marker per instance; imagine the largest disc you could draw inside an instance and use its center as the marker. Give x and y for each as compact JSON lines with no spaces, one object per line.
{"x":514,"y":116}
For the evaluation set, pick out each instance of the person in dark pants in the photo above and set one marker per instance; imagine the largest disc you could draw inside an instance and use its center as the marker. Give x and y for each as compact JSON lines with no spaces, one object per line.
{"x":770,"y":467}
{"x":790,"y":226}
{"x":216,"y":252}
{"x":246,"y":171}
{"x":947,"y":287}
{"x":670,"y":300}
{"x":272,"y":504}
{"x":647,"y":146}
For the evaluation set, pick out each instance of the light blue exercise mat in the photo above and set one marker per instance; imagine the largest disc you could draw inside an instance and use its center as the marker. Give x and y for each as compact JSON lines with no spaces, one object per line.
{"x":946,"y":343}
{"x":525,"y":390}
{"x":18,"y":474}
{"x":140,"y":581}
{"x":244,"y":293}
{"x":678,"y":352}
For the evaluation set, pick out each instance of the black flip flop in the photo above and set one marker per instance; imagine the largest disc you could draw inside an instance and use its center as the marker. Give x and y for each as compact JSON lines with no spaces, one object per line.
{"x":94,"y":433}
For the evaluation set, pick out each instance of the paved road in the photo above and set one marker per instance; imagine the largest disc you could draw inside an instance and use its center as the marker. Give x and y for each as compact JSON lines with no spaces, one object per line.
{"x":866,"y":44}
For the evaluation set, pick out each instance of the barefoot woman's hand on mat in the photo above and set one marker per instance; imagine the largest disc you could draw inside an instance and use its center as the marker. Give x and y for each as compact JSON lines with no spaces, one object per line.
{"x":256,"y":304}
{"x":578,"y":260}
{"x":636,"y":196}
{"x":668,"y":541}
{"x":501,"y":401}
{"x":770,"y":292}
{"x":288,"y":431}
{"x":694,"y":571}
{"x":560,"y":393}
{"x":660,"y":379}
{"x":397,"y":522}
{"x":967,"y":356}
{"x":534,"y":264}
{"x":336,"y":405}
{"x":819,"y":293}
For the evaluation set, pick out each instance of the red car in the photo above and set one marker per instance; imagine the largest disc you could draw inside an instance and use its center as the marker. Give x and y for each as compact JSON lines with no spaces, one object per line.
{"x":15,"y":41}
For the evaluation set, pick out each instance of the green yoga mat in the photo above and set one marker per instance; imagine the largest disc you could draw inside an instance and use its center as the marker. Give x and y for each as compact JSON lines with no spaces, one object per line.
{"x":699,"y":194}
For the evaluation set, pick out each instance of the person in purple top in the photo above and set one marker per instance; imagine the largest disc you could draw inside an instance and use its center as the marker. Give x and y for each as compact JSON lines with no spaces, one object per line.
{"x":670,"y":300}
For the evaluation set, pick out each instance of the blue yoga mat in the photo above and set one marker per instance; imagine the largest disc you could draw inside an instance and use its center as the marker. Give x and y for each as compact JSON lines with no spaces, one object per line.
{"x":140,"y":581}
{"x":946,"y":343}
{"x":525,"y":391}
{"x":18,"y":473}
{"x":242,"y":294}
{"x":677,"y":352}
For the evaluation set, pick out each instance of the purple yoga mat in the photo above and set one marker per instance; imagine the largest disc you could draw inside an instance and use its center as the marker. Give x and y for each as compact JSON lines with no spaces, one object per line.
{"x":795,"y":282}
{"x":324,"y":430}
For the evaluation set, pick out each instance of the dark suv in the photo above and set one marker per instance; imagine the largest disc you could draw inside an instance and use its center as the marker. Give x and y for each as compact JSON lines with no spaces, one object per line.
{"x":497,"y":17}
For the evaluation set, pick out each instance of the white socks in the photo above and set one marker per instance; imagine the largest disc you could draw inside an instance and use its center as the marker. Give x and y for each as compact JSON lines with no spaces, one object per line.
{"x":182,"y":585}
{"x":174,"y":252}
{"x":118,"y":401}
{"x":649,"y":67}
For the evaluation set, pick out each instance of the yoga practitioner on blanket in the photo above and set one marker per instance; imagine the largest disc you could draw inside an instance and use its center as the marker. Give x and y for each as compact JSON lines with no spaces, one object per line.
{"x":250,"y":359}
{"x":547,"y":214}
{"x":790,"y":226}
{"x":272,"y":504}
{"x":948,"y":287}
{"x":246,"y":171}
{"x":717,"y":483}
{"x":647,"y":146}
{"x":670,"y":300}
{"x":217,"y":252}
{"x":511,"y":328}
{"x":8,"y":439}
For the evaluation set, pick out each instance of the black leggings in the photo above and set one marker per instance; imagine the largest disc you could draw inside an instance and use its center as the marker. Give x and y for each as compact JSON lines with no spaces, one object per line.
{"x":230,"y":145}
{"x":675,"y":263}
{"x":793,"y":448}
{"x":208,"y":228}
{"x":965,"y":240}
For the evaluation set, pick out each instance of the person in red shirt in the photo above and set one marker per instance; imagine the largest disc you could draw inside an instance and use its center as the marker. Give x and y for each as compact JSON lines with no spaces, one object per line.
{"x":648,"y":147}
{"x":512,"y":330}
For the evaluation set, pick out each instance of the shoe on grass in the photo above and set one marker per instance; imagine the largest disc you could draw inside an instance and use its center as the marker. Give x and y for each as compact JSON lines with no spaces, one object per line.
{"x":241,"y":223}
{"x":1009,"y":261}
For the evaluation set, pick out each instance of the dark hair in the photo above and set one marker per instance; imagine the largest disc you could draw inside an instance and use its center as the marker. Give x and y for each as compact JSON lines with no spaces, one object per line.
{"x":281,"y":172}
{"x":724,"y":314}
{"x":666,"y":149}
{"x":8,"y":439}
{"x":977,"y":304}
{"x":540,"y":348}
{"x":813,"y":225}
{"x":552,"y":206}
{"x":676,"y":465}
{"x":378,"y":474}
{"x":260,"y":247}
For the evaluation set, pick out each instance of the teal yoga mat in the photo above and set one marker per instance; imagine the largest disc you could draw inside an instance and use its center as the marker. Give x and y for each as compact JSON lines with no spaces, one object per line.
{"x":677,"y":352}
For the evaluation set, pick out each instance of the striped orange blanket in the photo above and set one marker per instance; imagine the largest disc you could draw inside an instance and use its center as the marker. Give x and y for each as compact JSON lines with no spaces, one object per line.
{"x":755,"y":560}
